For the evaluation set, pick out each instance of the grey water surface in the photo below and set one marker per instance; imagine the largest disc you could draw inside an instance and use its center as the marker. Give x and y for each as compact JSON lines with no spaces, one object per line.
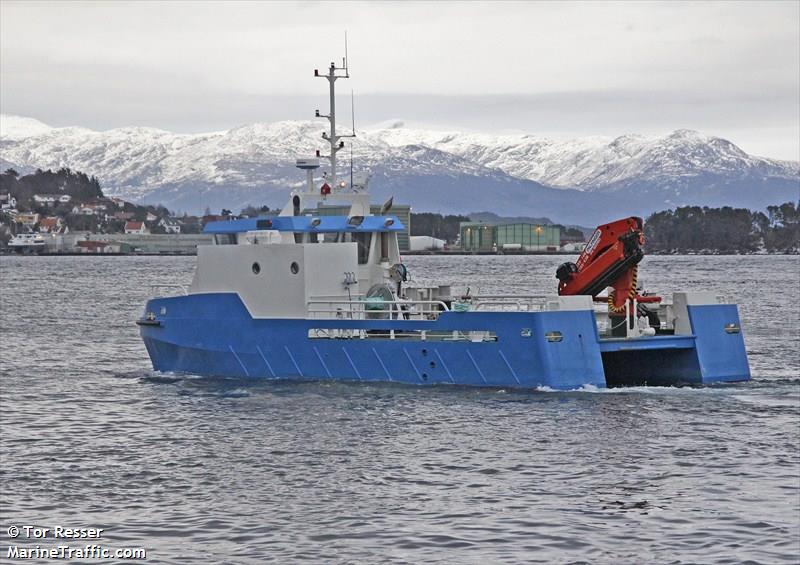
{"x":201,"y":470}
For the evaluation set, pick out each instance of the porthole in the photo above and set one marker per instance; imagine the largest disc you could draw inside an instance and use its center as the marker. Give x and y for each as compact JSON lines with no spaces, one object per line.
{"x":294,"y":267}
{"x":256,"y":268}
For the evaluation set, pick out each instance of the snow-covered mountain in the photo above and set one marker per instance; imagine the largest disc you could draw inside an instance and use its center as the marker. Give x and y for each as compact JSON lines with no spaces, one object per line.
{"x":570,"y":181}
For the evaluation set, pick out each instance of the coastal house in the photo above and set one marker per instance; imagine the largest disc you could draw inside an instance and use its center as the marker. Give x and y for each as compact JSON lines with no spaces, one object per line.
{"x":170,"y":225}
{"x":27,"y":220}
{"x":51,"y":199}
{"x":52,"y":224}
{"x":151,"y":217}
{"x":83,"y":210}
{"x":90,"y":209}
{"x":45,"y":199}
{"x":123,"y":216}
{"x":97,"y":205}
{"x":7,"y":202}
{"x":119,"y":202}
{"x":136,"y":228}
{"x":90,"y":246}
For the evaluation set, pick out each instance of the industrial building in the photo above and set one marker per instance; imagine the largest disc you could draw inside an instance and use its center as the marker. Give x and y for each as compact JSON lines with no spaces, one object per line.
{"x":481,"y":236}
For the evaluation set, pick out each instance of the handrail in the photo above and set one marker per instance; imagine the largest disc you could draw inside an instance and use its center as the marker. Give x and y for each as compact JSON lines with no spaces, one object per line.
{"x":519,"y":302}
{"x":397,"y":309}
{"x":520,"y":306}
{"x":509,"y":296}
{"x":400,"y":302}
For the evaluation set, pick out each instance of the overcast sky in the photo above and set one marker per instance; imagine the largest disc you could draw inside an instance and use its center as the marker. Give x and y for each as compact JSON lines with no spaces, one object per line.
{"x":555,"y":69}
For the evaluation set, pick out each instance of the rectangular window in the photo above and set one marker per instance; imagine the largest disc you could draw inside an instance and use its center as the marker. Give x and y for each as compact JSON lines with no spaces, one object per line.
{"x":363,"y":240}
{"x":225,"y":238}
{"x":384,"y":246}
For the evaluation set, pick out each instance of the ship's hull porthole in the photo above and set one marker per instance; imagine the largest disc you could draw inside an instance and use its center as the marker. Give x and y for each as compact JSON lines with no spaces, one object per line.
{"x":256,"y":268}
{"x":294,"y":267}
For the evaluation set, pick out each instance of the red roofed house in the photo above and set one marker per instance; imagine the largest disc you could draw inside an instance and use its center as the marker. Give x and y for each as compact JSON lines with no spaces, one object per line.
{"x":136,"y":227}
{"x":50,"y":225}
{"x":89,"y":246}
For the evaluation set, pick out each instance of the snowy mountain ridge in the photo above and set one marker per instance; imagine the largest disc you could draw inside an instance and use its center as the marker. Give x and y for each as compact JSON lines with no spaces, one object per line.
{"x":144,"y":163}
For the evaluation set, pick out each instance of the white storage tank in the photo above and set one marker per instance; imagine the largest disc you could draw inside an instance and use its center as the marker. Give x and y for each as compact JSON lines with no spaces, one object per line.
{"x":425,"y":242}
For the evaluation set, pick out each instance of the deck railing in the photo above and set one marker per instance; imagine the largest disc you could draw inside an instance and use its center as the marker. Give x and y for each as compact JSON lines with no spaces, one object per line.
{"x":361,"y":309}
{"x":509,"y":302}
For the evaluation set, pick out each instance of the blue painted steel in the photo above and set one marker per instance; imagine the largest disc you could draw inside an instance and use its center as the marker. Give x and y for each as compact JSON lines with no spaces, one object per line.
{"x":709,"y":355}
{"x":721,"y":356}
{"x":303,"y":224}
{"x":654,"y":342}
{"x":213,"y":334}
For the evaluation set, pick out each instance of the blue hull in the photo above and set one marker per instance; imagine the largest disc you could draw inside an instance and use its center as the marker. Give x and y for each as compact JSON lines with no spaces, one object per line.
{"x":214,"y":334}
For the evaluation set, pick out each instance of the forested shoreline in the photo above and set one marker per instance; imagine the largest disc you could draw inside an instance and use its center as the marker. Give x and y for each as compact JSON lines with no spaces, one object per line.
{"x":694,"y":229}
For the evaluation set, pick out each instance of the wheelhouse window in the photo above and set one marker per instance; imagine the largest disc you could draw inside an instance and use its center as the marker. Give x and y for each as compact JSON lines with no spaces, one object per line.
{"x":363,"y":239}
{"x":225,"y":238}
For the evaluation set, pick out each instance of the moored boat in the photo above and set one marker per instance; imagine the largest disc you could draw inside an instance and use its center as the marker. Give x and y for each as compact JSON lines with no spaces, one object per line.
{"x":27,"y":243}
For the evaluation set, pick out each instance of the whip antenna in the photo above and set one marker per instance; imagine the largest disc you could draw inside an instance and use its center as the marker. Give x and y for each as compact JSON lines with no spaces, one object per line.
{"x":345,"y":60}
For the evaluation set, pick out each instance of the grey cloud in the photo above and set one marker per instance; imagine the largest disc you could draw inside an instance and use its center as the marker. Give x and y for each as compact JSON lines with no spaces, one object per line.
{"x":548,"y":69}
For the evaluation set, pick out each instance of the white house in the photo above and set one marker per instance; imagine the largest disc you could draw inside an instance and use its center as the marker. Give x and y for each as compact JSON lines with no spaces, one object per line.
{"x":46,"y":199}
{"x":170,"y":225}
{"x":136,"y":228}
{"x":84,"y":210}
{"x":7,"y":202}
{"x":97,"y":205}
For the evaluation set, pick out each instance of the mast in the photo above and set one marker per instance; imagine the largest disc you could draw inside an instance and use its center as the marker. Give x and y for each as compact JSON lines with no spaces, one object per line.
{"x":335,"y":140}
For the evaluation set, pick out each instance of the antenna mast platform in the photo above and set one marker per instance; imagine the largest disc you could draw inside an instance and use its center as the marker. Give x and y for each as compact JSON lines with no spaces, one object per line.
{"x":335,"y":140}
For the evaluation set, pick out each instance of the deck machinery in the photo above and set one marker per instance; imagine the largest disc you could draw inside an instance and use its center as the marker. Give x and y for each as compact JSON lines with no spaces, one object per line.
{"x":611,"y":259}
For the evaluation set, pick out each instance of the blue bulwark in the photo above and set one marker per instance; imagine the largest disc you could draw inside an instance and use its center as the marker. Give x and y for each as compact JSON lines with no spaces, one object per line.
{"x":721,"y":353}
{"x":310,"y":224}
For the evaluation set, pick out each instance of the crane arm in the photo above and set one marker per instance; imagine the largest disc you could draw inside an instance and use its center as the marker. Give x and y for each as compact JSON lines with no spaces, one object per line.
{"x":610,"y":259}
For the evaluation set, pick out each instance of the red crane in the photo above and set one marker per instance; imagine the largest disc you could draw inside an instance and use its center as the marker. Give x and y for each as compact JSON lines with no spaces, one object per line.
{"x":610,"y":259}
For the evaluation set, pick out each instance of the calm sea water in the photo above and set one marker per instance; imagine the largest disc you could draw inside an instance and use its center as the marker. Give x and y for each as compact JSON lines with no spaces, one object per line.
{"x":201,"y":470}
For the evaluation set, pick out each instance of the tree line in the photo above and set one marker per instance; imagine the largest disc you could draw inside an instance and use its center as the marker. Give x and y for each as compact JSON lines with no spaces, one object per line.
{"x":80,"y":186}
{"x":725,"y":230}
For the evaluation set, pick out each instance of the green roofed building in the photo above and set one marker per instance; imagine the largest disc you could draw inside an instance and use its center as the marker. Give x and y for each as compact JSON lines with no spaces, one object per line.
{"x":402,"y":211}
{"x":481,"y":236}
